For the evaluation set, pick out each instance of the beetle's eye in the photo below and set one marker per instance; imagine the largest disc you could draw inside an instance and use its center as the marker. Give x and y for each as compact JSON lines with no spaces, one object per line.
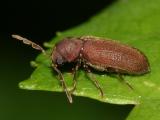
{"x":60,"y":60}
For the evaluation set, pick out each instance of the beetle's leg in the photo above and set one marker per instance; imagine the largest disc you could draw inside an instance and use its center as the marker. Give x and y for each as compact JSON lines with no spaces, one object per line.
{"x":123,"y":81}
{"x":63,"y":83}
{"x":92,"y":77}
{"x":75,"y":76}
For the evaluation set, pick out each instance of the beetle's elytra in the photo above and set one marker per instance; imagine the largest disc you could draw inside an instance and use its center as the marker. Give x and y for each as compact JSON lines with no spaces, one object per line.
{"x":98,"y":53}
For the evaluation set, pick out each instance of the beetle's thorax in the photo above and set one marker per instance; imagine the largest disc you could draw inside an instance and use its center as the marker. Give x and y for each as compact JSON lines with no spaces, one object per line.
{"x":68,"y":50}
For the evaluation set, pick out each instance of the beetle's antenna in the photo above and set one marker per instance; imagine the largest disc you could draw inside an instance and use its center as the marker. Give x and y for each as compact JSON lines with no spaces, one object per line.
{"x":29,"y":42}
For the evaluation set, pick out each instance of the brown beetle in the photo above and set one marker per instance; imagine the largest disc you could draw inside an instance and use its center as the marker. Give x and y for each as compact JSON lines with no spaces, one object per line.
{"x":98,"y":53}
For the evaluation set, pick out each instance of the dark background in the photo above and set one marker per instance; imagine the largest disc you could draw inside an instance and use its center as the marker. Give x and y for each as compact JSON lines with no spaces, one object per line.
{"x":39,"y":20}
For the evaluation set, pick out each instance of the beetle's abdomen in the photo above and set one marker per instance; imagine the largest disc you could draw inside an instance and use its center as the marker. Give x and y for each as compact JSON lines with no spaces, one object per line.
{"x":110,"y":55}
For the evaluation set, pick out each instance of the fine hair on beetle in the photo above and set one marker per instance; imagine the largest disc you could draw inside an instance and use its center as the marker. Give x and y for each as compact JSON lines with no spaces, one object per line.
{"x":101,"y":54}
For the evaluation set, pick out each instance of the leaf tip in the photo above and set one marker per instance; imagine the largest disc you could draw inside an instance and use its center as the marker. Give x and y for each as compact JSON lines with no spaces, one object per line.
{"x":21,"y":85}
{"x":34,"y":64}
{"x":24,"y":85}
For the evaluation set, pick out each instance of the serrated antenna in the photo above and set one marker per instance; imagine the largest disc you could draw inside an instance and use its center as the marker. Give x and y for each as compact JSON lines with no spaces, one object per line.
{"x":29,"y":42}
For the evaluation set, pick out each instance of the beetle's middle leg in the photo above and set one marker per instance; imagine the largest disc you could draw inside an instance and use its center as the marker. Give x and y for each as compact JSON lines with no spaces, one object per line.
{"x":123,"y":81}
{"x":94,"y":80}
{"x":75,"y":76}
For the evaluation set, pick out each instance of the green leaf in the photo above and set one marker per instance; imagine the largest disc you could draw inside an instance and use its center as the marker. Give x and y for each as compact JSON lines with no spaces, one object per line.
{"x":148,"y":110}
{"x":133,"y":22}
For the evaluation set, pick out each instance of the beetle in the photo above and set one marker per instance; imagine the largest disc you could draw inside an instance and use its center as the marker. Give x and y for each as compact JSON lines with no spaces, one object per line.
{"x":95,"y":52}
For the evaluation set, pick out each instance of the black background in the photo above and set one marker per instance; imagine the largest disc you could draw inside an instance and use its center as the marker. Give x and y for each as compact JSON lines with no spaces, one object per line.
{"x":39,"y":20}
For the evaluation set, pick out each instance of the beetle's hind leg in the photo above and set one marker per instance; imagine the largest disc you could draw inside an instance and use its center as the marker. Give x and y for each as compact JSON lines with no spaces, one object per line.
{"x":63,"y":83}
{"x":94,"y":80}
{"x":124,"y":82}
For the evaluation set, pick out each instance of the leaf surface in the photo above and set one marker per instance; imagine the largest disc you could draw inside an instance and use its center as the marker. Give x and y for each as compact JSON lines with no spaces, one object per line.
{"x":132,"y":22}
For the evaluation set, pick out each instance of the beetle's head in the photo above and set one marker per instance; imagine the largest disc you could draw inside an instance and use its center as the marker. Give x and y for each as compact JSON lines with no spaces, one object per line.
{"x":67,"y":50}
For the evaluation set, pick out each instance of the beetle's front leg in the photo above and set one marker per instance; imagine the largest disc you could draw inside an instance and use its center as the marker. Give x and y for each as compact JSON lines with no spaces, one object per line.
{"x":63,"y":83}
